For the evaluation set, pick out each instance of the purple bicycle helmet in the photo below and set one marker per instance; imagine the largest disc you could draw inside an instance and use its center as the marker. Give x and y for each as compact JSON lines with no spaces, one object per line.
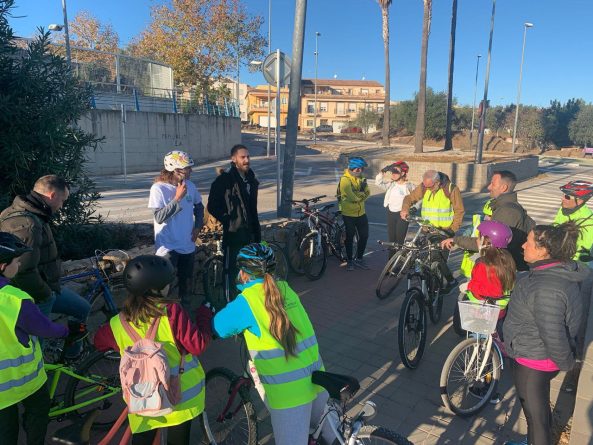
{"x":500,"y":235}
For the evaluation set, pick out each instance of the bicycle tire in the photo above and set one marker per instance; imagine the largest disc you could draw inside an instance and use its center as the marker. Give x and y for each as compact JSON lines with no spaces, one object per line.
{"x":469,"y":379}
{"x":412,"y":326}
{"x":340,"y":241}
{"x":392,"y":273}
{"x":213,"y":281}
{"x":281,"y":273}
{"x":108,"y":373}
{"x":313,"y":256}
{"x":371,"y":434}
{"x":219,"y":383}
{"x":295,"y":237}
{"x":435,"y":296}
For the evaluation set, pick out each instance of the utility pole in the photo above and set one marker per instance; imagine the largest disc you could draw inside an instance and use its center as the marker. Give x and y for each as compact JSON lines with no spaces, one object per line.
{"x":269,"y":86}
{"x":66,"y":34}
{"x":482,"y":125}
{"x":298,"y":38}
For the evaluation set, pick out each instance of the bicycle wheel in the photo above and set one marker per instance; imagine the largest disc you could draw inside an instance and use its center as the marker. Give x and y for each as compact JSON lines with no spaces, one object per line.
{"x":232,"y":425}
{"x":435,"y":296}
{"x":464,"y":389}
{"x":396,"y":267}
{"x":313,"y":256}
{"x":213,"y":281}
{"x":340,"y":241}
{"x":411,"y":332}
{"x":295,"y":237}
{"x":281,"y":273}
{"x":103,"y":369}
{"x":370,"y":434}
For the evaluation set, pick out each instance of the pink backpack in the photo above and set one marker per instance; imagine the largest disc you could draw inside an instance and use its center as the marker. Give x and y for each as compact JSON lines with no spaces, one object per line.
{"x":148,"y":387}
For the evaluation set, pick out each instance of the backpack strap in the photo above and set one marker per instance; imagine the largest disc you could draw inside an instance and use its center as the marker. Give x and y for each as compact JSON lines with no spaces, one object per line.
{"x":152,"y":330}
{"x":128,"y":328}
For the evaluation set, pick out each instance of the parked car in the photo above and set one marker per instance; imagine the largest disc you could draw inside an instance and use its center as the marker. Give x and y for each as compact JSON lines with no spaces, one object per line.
{"x":351,"y":130}
{"x":325,"y":129}
{"x":588,"y":151}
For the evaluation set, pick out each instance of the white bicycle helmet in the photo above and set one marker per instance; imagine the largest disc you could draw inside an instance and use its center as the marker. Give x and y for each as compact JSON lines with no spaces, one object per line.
{"x":177,"y":159}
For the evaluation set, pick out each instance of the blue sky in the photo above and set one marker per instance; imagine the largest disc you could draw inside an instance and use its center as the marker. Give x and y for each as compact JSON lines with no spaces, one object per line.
{"x":557,"y":59}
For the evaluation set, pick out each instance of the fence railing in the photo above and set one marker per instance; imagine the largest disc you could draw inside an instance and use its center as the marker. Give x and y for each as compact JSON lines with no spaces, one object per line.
{"x":111,"y":97}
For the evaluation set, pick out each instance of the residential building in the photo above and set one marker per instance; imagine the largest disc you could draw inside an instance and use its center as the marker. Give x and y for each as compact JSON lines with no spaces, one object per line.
{"x":338,"y":101}
{"x":257,"y":105}
{"x":231,"y":84}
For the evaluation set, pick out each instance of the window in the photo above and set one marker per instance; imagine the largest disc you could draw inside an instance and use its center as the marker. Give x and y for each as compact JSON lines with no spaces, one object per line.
{"x":283,"y":100}
{"x":351,"y":107}
{"x":323,"y":122}
{"x":309,"y":122}
{"x":323,"y":106}
{"x":310,"y":106}
{"x":340,"y":108}
{"x":364,"y":91}
{"x":380,"y":108}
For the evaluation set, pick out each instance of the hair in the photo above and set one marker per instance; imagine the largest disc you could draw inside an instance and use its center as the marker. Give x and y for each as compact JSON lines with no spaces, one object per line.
{"x":501,"y":263}
{"x":432,"y":174}
{"x":236,"y":148}
{"x":144,"y":308}
{"x":560,"y":241}
{"x":165,"y":176}
{"x":51,"y":183}
{"x":508,"y":177}
{"x":281,"y":327}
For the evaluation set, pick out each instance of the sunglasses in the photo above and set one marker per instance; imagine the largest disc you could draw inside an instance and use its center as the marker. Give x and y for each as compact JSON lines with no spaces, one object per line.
{"x":568,"y":197}
{"x":396,"y":172}
{"x":357,"y":169}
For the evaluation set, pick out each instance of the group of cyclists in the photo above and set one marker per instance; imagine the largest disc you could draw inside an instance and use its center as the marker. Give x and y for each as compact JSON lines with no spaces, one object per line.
{"x":541,"y":327}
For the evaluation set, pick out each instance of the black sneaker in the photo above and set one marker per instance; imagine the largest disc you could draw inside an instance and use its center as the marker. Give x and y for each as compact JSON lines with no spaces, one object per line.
{"x":450,"y":286}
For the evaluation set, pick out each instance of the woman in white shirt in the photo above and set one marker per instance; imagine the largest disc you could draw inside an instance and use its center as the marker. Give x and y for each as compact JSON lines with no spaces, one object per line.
{"x":393,"y":179}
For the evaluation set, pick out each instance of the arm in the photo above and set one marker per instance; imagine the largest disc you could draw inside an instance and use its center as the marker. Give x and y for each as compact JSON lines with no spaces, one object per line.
{"x":458,"y":209}
{"x":198,"y":215}
{"x":104,"y":339}
{"x":163,"y":214}
{"x":33,"y":322}
{"x":380,"y":181}
{"x":217,"y":203}
{"x":411,"y":199}
{"x":188,"y":336}
{"x":348,"y":193}
{"x":234,"y":319}
{"x":466,"y":243}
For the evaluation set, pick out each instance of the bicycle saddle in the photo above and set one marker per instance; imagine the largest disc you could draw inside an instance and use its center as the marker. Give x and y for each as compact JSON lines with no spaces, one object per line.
{"x":78,"y":432}
{"x":339,"y":387}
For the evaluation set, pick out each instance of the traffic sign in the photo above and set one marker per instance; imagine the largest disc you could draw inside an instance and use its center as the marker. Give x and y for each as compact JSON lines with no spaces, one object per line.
{"x":269,"y":69}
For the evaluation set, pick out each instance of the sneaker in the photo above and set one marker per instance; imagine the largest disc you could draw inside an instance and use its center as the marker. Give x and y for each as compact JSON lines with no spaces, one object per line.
{"x":525,"y":441}
{"x":361,"y":264}
{"x":450,"y":286}
{"x":350,"y":266}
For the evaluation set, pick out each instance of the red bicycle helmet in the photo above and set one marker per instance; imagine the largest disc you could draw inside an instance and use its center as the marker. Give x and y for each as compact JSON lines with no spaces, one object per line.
{"x":578,"y":189}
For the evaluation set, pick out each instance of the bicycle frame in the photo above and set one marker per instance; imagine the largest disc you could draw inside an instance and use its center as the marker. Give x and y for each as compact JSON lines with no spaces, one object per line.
{"x":490,"y":343}
{"x":58,"y":409}
{"x":332,"y":413}
{"x":99,"y":283}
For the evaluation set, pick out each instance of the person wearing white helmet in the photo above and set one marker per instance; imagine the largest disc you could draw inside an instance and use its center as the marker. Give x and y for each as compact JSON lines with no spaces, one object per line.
{"x":178,"y":218}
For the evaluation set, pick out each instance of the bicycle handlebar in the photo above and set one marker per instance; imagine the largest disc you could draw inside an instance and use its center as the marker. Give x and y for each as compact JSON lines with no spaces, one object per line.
{"x":309,"y":200}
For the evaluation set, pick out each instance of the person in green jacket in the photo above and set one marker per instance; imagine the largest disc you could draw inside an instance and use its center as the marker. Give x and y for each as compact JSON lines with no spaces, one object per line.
{"x":574,"y":208}
{"x":352,"y":193}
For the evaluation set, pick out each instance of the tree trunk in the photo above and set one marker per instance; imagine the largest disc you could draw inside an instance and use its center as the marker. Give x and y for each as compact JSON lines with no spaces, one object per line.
{"x":386,"y":123}
{"x":418,"y":143}
{"x":448,"y":133}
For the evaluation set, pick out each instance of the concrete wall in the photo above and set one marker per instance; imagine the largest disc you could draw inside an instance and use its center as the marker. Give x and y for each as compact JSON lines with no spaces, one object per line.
{"x":149,"y":136}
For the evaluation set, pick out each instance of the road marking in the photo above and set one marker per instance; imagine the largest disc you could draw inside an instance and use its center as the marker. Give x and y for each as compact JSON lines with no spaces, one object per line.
{"x":377,"y":224}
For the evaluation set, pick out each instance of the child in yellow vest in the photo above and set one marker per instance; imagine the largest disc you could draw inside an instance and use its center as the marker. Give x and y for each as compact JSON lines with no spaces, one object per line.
{"x":22,"y":377}
{"x":147,"y":279}
{"x":281,"y":342}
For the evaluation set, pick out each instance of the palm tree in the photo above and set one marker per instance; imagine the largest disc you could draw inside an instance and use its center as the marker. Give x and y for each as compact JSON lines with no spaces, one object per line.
{"x":418,"y":143}
{"x":448,"y":136}
{"x":385,"y":4}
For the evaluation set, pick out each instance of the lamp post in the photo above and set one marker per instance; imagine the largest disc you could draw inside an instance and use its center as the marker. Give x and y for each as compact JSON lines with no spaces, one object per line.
{"x":66,"y":34}
{"x":471,"y":132}
{"x":526,"y":25}
{"x":269,"y":86}
{"x":482,"y":125}
{"x":317,"y":34}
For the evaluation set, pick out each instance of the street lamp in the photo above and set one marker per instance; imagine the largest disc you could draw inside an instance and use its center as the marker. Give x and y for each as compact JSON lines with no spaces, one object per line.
{"x":526,"y":25}
{"x":55,"y":27}
{"x":317,"y":34}
{"x":471,"y":132}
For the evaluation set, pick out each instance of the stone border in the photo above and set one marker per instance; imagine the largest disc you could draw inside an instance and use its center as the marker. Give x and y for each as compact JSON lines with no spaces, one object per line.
{"x":467,"y":176}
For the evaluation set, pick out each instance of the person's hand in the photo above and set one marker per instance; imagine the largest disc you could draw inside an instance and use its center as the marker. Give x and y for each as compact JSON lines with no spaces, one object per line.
{"x":181,"y":191}
{"x":77,"y":331}
{"x":363,"y":184}
{"x":194,"y":233}
{"x":447,"y":244}
{"x":404,"y":214}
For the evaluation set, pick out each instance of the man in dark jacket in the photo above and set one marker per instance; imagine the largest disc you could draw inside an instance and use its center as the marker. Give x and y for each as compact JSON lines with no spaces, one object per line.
{"x":28,"y":218}
{"x":507,"y":210}
{"x":233,"y":202}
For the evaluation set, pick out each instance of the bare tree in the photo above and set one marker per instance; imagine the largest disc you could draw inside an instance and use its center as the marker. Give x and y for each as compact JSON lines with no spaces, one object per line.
{"x":448,"y":135}
{"x":418,"y":143}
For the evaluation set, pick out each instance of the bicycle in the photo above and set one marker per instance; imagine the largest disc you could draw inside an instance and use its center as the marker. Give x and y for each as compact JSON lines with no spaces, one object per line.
{"x":213,"y":277}
{"x":325,"y":232}
{"x":472,"y":370}
{"x":349,"y":429}
{"x":104,"y":266}
{"x":401,"y":262}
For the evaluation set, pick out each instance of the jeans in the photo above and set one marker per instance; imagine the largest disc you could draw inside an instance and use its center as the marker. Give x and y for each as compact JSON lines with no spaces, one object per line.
{"x":67,"y":302}
{"x":184,"y":265}
{"x":35,"y":418}
{"x":353,"y":225}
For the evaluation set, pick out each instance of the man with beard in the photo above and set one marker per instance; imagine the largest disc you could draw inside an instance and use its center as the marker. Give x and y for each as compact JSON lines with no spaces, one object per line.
{"x":233,"y":202}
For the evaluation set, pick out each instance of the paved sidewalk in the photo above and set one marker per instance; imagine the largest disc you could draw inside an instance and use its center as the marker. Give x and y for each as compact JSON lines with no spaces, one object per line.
{"x":358,"y":336}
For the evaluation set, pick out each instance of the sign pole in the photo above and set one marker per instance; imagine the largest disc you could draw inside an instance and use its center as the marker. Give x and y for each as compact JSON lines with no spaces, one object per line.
{"x":278,"y":114}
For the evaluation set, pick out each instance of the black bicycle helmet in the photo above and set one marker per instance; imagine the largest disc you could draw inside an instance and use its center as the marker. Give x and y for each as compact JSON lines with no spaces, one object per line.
{"x":11,"y":247}
{"x":148,"y":272}
{"x":256,"y":260}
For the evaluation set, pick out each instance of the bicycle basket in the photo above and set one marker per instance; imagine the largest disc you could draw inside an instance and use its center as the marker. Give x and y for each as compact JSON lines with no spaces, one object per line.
{"x":480,"y":318}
